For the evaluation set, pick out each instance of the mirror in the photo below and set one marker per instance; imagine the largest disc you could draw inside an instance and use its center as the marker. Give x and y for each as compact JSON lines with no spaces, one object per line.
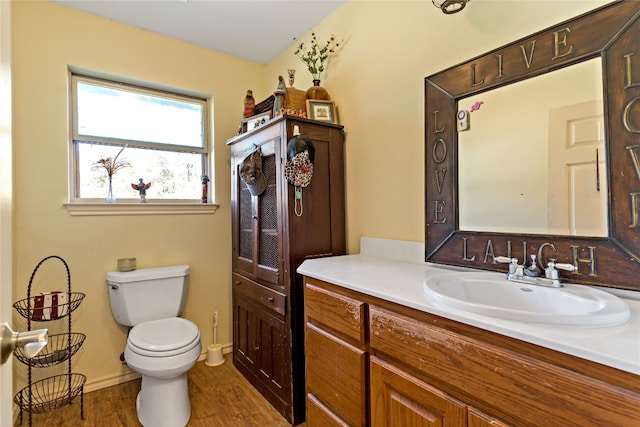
{"x":458,"y":234}
{"x":545,"y":166}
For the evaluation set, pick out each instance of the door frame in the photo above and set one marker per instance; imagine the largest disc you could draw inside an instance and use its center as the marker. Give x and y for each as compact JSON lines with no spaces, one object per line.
{"x":6,"y":206}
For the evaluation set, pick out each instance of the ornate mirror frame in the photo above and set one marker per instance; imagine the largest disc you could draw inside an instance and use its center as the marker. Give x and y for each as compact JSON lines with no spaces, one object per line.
{"x":612,"y":33}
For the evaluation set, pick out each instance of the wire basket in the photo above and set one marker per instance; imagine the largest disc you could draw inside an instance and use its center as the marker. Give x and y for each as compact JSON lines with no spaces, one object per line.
{"x":59,"y":348}
{"x":26,"y":307}
{"x":50,"y":393}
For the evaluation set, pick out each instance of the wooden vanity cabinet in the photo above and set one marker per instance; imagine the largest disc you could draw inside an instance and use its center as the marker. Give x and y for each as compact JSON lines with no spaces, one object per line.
{"x":424,"y":370}
{"x":269,"y":242}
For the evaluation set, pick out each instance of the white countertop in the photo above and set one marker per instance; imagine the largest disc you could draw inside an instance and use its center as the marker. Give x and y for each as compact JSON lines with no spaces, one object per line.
{"x":394,"y":271}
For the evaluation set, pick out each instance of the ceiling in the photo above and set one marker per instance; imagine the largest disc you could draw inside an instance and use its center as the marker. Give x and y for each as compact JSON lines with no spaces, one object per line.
{"x":256,"y":30}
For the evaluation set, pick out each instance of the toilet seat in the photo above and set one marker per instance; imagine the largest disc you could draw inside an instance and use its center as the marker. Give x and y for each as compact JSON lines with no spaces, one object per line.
{"x":164,"y":337}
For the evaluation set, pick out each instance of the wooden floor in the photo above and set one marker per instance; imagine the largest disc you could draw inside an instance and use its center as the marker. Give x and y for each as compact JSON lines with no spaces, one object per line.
{"x":220,"y":396}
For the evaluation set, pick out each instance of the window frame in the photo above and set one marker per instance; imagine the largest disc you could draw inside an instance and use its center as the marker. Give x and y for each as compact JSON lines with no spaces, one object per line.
{"x":75,"y":139}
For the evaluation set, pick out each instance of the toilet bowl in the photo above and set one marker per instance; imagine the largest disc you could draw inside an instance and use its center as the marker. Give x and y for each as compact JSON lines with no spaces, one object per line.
{"x":163,"y":351}
{"x":161,"y":346}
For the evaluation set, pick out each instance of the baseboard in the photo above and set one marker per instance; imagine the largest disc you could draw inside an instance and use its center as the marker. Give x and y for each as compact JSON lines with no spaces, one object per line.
{"x":130,"y":374}
{"x":104,"y":382}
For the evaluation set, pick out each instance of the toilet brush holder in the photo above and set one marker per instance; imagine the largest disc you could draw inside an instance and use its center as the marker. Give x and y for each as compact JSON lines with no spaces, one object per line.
{"x":214,"y":355}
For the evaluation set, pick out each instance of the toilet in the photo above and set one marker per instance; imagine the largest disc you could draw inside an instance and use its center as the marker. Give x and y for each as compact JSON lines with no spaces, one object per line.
{"x":161,"y":346}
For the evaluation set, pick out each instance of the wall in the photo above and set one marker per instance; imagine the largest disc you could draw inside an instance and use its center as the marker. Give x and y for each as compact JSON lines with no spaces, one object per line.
{"x":377,"y":82}
{"x":46,"y":39}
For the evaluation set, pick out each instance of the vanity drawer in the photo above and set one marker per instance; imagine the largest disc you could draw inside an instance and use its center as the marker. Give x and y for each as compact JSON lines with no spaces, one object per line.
{"x":335,"y":311}
{"x":266,"y":297}
{"x":336,"y":372}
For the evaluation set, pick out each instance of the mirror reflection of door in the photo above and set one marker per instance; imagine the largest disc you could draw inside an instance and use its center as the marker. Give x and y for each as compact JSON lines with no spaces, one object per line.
{"x":577,"y":185}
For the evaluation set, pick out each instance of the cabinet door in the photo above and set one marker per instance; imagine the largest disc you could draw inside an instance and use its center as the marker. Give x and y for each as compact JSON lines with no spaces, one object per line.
{"x":244,"y":335}
{"x":257,"y":220}
{"x":336,"y":375}
{"x":399,"y":399}
{"x":273,"y":353}
{"x":262,"y":349}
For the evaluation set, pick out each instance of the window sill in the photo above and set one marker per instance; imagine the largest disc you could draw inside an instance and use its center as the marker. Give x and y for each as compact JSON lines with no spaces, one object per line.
{"x":109,"y":209}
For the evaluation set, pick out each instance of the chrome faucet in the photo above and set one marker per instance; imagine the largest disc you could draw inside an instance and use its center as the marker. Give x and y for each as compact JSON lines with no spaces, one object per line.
{"x":551,"y":272}
{"x":530,"y":275}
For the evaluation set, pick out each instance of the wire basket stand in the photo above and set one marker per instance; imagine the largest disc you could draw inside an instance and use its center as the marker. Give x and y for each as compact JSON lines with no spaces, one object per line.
{"x":56,"y":391}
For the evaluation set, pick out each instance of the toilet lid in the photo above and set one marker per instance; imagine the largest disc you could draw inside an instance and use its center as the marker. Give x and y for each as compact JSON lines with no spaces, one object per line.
{"x":174,"y":335}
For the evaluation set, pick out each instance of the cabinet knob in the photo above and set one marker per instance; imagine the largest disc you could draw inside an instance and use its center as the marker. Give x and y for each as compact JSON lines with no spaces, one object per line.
{"x":238,"y":283}
{"x":271,"y":299}
{"x":257,"y":348}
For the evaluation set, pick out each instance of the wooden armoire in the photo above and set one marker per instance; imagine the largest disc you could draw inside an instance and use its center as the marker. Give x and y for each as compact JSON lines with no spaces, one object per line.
{"x":272,"y":235}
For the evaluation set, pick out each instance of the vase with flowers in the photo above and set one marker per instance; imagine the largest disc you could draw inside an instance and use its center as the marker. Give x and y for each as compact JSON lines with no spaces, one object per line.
{"x":111,"y":165}
{"x":315,"y":58}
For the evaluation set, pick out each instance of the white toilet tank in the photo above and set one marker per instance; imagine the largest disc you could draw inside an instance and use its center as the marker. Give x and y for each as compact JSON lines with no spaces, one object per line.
{"x":148,"y":293}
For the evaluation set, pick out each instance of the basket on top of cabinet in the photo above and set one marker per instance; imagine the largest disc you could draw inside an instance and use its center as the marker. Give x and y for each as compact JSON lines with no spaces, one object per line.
{"x":53,"y":392}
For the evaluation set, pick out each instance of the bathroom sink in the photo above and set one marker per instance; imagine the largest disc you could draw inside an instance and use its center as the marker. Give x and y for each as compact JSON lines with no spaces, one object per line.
{"x":491,"y":294}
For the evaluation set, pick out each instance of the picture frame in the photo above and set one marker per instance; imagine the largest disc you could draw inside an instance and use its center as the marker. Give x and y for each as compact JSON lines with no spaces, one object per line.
{"x":255,"y":121}
{"x":324,"y":111}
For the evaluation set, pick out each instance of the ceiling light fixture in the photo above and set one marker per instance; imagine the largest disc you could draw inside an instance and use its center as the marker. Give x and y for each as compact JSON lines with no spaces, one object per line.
{"x":450,"y":6}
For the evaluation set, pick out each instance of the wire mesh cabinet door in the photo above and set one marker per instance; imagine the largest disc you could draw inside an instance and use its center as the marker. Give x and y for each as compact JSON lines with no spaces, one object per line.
{"x":257,"y":219}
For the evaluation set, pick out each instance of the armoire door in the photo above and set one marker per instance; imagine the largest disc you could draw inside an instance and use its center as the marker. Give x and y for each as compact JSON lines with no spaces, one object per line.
{"x":258,"y":219}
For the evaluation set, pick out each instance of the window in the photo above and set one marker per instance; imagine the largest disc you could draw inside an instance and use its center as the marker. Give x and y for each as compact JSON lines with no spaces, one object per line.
{"x":164,"y":135}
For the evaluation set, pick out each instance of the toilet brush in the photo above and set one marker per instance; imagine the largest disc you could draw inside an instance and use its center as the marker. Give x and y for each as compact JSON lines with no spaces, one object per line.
{"x":214,"y":351}
{"x":215,"y":327}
